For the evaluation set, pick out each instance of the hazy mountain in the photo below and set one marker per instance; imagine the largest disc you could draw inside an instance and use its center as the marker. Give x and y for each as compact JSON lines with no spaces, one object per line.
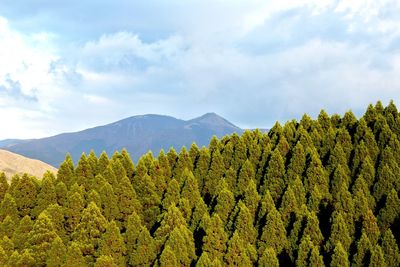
{"x":12,"y":163}
{"x":12,"y":142}
{"x":137,"y":134}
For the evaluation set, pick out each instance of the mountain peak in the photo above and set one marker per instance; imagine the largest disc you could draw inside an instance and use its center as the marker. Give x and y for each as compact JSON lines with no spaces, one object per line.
{"x":212,"y":118}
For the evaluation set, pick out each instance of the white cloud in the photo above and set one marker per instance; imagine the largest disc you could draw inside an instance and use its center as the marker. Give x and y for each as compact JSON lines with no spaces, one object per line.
{"x":298,"y":62}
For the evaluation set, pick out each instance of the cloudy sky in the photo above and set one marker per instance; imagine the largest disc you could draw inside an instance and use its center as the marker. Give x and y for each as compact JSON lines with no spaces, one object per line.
{"x":70,"y":65}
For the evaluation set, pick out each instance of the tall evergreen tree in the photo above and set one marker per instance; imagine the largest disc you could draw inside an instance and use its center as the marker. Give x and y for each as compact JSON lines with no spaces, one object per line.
{"x":236,"y":253}
{"x":215,"y":240}
{"x":274,"y":178}
{"x":390,"y":249}
{"x":339,"y":257}
{"x":3,"y":185}
{"x":57,"y":253}
{"x":273,"y":233}
{"x":112,"y":244}
{"x":41,"y":237}
{"x":89,"y":231}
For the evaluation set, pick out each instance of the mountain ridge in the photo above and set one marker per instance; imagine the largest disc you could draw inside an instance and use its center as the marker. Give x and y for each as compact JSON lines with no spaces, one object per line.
{"x":138,"y":134}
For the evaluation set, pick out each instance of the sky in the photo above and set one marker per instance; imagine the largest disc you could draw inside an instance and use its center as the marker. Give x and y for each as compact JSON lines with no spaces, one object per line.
{"x":70,"y":65}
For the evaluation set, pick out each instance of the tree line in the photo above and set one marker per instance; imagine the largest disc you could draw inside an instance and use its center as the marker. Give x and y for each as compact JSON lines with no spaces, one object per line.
{"x":321,"y":192}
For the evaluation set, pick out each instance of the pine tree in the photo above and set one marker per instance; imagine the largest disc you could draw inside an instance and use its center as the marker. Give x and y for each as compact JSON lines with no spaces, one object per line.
{"x":8,"y":207}
{"x":89,"y":230}
{"x":172,"y":194}
{"x":158,"y":178}
{"x":171,"y":219}
{"x":7,"y":245}
{"x":66,"y":172}
{"x":194,"y":153}
{"x":3,"y":185}
{"x":316,"y":175}
{"x":304,"y":251}
{"x":105,"y":261}
{"x":112,"y":244}
{"x":168,"y":258}
{"x":377,"y":258}
{"x":244,"y":225}
{"x":46,"y":196}
{"x":57,"y":253}
{"x":144,"y":252}
{"x":390,"y":212}
{"x":148,"y":197}
{"x":41,"y":237}
{"x":75,"y":205}
{"x":236,"y":253}
{"x":103,"y":162}
{"x":25,"y":195}
{"x":127,"y":163}
{"x":61,"y":194}
{"x":246,"y":175}
{"x":202,"y":166}
{"x":214,"y":174}
{"x":109,"y":202}
{"x":183,"y":162}
{"x":7,"y":227}
{"x":384,"y":182}
{"x":361,"y":258}
{"x":118,"y":169}
{"x":165,"y":165}
{"x":288,"y":206}
{"x":239,"y":152}
{"x":4,"y":259}
{"x":24,"y":259}
{"x":297,"y":163}
{"x":181,"y":243}
{"x":74,"y":257}
{"x":268,"y":258}
{"x":316,"y":259}
{"x":390,"y":249}
{"x":370,"y":227}
{"x":84,"y":173}
{"x":339,"y":233}
{"x":312,"y":228}
{"x":93,"y":162}
{"x":339,"y":257}
{"x":172,"y":157}
{"x":298,"y":191}
{"x":251,"y":198}
{"x":22,"y":231}
{"x":204,"y":260}
{"x":126,"y":199}
{"x":363,"y":200}
{"x":215,"y":240}
{"x":190,"y":189}
{"x":274,"y":178}
{"x":273,"y":233}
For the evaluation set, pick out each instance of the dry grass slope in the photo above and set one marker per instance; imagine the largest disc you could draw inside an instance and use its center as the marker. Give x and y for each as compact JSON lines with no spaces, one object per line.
{"x":11,"y":163}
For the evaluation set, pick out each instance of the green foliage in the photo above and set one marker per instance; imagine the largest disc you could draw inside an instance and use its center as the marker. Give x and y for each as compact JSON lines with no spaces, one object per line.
{"x":316,"y":192}
{"x":41,"y":237}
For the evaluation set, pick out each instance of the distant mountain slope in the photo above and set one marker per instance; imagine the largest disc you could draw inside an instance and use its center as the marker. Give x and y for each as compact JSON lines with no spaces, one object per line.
{"x":11,"y":163}
{"x":137,"y":134}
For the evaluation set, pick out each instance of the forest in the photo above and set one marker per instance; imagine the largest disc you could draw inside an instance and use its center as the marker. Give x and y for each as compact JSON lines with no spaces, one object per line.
{"x":314,"y":192}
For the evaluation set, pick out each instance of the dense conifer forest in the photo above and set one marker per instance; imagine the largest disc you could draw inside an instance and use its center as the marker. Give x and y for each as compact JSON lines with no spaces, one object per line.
{"x":321,"y":192}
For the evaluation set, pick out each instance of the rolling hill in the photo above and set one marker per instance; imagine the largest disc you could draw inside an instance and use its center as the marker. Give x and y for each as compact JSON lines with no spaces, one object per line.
{"x":138,"y":134}
{"x":11,"y":163}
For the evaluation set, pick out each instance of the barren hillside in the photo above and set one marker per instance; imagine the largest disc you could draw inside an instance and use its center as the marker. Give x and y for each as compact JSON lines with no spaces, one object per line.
{"x":12,"y":163}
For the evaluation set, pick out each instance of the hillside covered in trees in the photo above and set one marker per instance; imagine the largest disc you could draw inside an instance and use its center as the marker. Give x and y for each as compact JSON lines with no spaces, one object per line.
{"x":321,"y":192}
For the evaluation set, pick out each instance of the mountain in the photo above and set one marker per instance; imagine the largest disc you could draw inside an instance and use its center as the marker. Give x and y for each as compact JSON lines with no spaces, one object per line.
{"x":11,"y":163}
{"x":138,"y":134}
{"x":12,"y":142}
